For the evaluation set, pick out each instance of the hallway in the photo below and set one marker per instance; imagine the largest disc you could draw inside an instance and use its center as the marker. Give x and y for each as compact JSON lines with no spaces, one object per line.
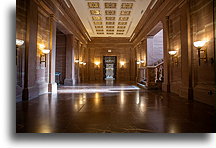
{"x":122,"y":109}
{"x":115,"y":66}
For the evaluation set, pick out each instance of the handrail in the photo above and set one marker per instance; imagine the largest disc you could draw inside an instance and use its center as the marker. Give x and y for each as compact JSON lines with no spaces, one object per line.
{"x":151,"y":76}
{"x":152,"y":66}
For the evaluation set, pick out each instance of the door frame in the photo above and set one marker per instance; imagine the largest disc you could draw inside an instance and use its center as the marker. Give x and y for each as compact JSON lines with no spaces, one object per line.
{"x":115,"y":67}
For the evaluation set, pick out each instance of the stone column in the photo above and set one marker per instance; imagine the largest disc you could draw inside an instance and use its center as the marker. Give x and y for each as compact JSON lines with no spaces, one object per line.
{"x":52,"y":86}
{"x":69,"y":79}
{"x":189,"y":53}
{"x":29,"y":90}
{"x":144,"y":51}
{"x":77,"y":48}
{"x":166,"y":83}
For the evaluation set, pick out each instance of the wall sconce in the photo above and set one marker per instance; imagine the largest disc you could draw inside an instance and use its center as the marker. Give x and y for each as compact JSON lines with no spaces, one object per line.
{"x":19,"y":43}
{"x":138,"y":62}
{"x":122,"y":63}
{"x":142,"y":62}
{"x":43,"y":55}
{"x":173,"y":54}
{"x":199,"y":45}
{"x":41,"y":46}
{"x":97,"y":64}
{"x":76,"y":61}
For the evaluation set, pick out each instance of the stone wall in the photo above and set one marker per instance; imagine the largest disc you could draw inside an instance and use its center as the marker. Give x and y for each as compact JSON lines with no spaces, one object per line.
{"x":175,"y":20}
{"x":43,"y":37}
{"x":124,"y":53}
{"x":183,"y":23}
{"x":20,"y":52}
{"x":203,"y":29}
{"x":61,"y":55}
{"x":36,"y":24}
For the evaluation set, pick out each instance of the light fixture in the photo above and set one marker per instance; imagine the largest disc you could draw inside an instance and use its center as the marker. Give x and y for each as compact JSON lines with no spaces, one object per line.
{"x":19,"y":42}
{"x":97,"y":64}
{"x":138,"y":62}
{"x":41,"y":46}
{"x":80,"y":62}
{"x":76,"y":61}
{"x":173,"y":54}
{"x":84,"y":63}
{"x":122,"y":63}
{"x":199,"y":45}
{"x":43,"y":57}
{"x":142,"y":61}
{"x":45,"y":51}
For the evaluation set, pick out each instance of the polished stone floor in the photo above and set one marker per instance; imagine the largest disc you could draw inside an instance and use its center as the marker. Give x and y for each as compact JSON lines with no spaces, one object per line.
{"x":103,"y":108}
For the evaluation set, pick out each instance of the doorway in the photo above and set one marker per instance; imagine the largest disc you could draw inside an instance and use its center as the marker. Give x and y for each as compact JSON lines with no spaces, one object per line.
{"x":109,"y":67}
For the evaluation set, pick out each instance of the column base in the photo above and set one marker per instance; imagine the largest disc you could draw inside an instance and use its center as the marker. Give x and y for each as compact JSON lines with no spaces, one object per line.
{"x":68,"y":82}
{"x":25,"y":94}
{"x":190,"y":94}
{"x":166,"y":87}
{"x":52,"y":87}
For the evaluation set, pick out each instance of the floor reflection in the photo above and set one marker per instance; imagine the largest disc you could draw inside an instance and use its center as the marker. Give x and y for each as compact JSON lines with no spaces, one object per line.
{"x":125,"y":109}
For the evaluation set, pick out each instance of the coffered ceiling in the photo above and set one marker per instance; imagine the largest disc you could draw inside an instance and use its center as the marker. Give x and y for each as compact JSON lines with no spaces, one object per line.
{"x":110,"y":18}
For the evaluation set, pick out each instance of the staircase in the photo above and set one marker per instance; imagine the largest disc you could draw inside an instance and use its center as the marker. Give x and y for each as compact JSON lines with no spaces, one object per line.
{"x":151,"y":77}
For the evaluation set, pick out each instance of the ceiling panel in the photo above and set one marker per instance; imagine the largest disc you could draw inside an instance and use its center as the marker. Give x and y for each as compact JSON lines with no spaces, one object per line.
{"x":110,"y":18}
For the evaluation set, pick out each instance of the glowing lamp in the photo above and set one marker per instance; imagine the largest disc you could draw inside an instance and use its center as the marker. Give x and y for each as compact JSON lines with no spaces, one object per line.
{"x":80,"y":62}
{"x":45,"y":51}
{"x":199,"y":44}
{"x":41,"y":46}
{"x":84,"y":63}
{"x":19,"y":42}
{"x":174,"y":58}
{"x":43,"y":57}
{"x":76,"y":61}
{"x":122,"y":63}
{"x":97,"y":63}
{"x":172,"y":53}
{"x":138,"y":62}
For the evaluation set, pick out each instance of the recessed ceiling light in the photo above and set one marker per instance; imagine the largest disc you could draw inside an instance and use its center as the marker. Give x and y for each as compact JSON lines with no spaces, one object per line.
{"x":127,"y":5}
{"x":93,"y":4}
{"x":110,"y":5}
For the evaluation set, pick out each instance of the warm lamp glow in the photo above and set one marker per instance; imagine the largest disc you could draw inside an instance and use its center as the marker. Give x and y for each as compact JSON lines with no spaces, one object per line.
{"x":122,"y":63}
{"x":142,"y":61}
{"x":97,"y":63}
{"x":41,"y":46}
{"x":138,"y":62}
{"x":84,"y":63}
{"x":45,"y":51}
{"x":76,"y":61}
{"x":19,"y":42}
{"x":80,"y":62}
{"x":199,"y":44}
{"x":172,"y":53}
